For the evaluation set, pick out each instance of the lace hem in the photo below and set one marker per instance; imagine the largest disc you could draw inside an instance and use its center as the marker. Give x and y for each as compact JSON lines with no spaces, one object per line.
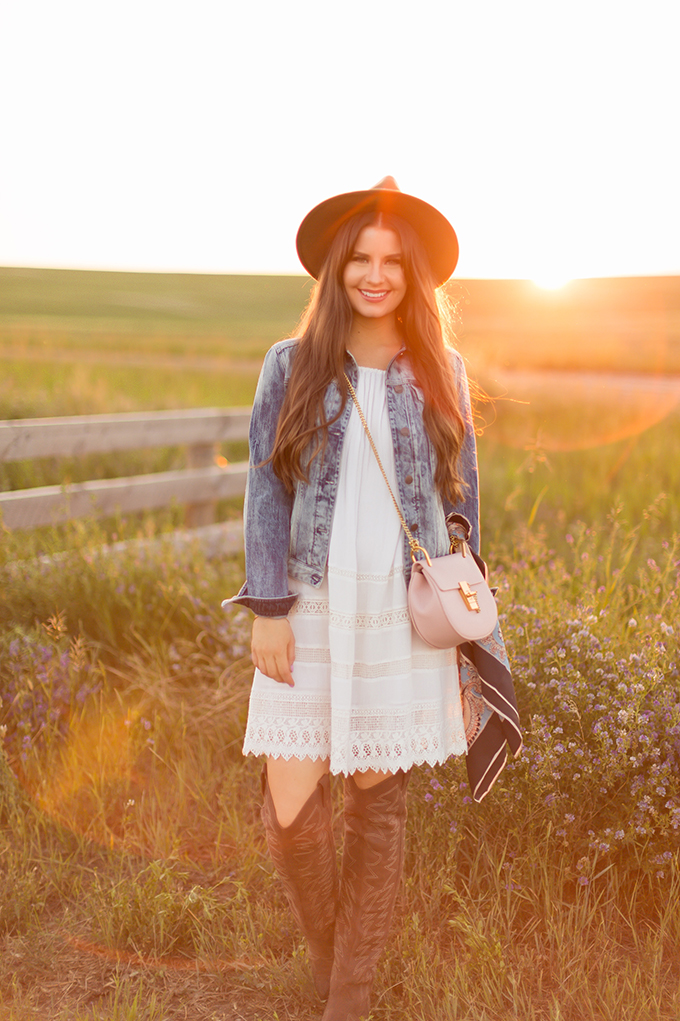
{"x":377,"y":759}
{"x":369,"y":739}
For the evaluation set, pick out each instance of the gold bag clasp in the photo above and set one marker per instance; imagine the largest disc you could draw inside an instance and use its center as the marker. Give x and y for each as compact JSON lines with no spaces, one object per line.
{"x":469,"y":597}
{"x":456,"y":544}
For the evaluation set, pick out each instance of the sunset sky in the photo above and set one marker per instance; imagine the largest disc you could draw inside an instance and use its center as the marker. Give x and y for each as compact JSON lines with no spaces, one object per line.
{"x":195,"y":136}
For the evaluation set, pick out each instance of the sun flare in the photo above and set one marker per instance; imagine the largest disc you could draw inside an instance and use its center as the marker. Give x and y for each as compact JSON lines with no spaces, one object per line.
{"x":550,"y":281}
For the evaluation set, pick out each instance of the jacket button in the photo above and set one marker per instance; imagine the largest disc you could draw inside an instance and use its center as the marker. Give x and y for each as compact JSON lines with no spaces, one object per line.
{"x":399,"y":389}
{"x":414,"y":528}
{"x":404,"y":431}
{"x":316,"y":578}
{"x":408,"y":480}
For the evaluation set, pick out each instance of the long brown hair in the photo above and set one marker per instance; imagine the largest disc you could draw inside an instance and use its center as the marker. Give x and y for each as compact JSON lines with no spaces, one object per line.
{"x":319,"y":357}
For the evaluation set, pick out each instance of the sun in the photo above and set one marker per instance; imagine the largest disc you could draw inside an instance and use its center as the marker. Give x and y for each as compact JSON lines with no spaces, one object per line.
{"x":550,"y":281}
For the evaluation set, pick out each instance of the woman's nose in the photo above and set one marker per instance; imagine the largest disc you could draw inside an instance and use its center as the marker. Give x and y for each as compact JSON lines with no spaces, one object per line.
{"x":375,"y":272}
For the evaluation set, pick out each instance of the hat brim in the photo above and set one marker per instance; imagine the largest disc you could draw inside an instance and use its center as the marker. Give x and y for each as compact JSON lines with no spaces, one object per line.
{"x":321,"y":224}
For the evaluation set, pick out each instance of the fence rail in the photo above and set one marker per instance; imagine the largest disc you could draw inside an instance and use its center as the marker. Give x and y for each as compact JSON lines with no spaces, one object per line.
{"x":198,"y":486}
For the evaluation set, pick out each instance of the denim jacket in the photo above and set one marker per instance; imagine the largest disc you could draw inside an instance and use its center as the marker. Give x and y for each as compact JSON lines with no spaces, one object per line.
{"x":289,"y":533}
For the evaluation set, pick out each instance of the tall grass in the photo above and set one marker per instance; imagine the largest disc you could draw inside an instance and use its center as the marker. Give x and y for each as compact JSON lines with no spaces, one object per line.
{"x":134,"y":838}
{"x":534,"y":462}
{"x":30,"y":389}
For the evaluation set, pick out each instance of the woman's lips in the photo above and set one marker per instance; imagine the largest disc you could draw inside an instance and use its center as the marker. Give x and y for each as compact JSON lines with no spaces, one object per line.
{"x":373,"y":295}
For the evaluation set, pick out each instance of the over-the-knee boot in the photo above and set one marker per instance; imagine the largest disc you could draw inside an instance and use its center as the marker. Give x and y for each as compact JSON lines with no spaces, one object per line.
{"x":375,"y":820}
{"x":304,"y":856}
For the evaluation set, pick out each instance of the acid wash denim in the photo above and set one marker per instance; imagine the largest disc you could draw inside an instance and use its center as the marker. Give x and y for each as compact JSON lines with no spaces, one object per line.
{"x":289,"y":533}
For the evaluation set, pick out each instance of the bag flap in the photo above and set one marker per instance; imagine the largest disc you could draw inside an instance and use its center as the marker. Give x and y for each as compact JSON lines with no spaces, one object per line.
{"x":446,"y":573}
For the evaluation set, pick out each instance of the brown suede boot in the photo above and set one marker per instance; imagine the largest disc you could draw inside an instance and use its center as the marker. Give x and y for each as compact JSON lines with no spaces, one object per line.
{"x":375,"y":820}
{"x":304,"y":856}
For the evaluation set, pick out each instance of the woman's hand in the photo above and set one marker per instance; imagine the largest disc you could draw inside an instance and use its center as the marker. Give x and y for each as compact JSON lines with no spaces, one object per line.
{"x":272,"y":647}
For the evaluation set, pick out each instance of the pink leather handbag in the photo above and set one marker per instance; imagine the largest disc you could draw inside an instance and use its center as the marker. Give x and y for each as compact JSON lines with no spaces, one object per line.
{"x":449,"y":600}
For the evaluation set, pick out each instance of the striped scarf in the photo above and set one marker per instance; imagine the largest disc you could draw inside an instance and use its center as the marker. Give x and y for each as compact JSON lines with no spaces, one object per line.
{"x":489,"y":710}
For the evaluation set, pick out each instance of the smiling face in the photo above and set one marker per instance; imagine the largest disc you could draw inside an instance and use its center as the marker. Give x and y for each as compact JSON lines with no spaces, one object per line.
{"x":374,"y":276}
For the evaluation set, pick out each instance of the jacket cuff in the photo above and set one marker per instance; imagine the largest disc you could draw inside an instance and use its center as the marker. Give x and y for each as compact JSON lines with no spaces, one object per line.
{"x":263,"y":606}
{"x":457,"y":523}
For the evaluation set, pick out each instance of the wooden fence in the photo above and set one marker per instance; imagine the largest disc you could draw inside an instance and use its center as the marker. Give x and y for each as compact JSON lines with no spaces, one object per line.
{"x":199,"y":485}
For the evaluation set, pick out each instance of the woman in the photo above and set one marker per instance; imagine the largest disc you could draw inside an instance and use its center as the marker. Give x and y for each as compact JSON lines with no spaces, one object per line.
{"x":343,"y":684}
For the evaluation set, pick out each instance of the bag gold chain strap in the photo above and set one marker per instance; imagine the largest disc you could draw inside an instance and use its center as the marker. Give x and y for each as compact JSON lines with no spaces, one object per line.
{"x":413,"y":543}
{"x":449,"y":601}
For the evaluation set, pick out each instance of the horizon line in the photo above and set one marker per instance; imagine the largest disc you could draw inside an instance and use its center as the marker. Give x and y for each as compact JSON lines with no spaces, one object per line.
{"x":306,"y":276}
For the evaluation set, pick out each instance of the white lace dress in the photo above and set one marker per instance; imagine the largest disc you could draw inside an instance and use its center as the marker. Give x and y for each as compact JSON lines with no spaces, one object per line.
{"x":369,"y":693}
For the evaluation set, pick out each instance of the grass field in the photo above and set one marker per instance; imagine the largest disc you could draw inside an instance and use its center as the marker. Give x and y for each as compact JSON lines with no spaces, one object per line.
{"x":134,"y":880}
{"x":83,"y":342}
{"x":155,"y":313}
{"x":628,"y":324}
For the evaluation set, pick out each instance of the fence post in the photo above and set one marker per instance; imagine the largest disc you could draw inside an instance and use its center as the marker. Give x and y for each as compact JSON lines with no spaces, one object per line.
{"x":201,"y":455}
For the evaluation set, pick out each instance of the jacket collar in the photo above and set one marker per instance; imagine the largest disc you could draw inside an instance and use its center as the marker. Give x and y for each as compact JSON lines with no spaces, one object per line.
{"x":400,"y":361}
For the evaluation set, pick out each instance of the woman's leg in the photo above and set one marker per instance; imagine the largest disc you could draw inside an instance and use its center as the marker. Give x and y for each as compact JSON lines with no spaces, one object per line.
{"x":375,"y":821}
{"x":291,"y":782}
{"x":297,"y":817}
{"x":370,"y":778}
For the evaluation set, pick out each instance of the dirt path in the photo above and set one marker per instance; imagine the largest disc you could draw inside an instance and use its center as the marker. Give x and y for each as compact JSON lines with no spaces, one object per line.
{"x":45,"y":976}
{"x":512,"y":380}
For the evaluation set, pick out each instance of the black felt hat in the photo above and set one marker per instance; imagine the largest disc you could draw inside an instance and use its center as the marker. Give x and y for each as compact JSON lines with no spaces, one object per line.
{"x":321,"y":224}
